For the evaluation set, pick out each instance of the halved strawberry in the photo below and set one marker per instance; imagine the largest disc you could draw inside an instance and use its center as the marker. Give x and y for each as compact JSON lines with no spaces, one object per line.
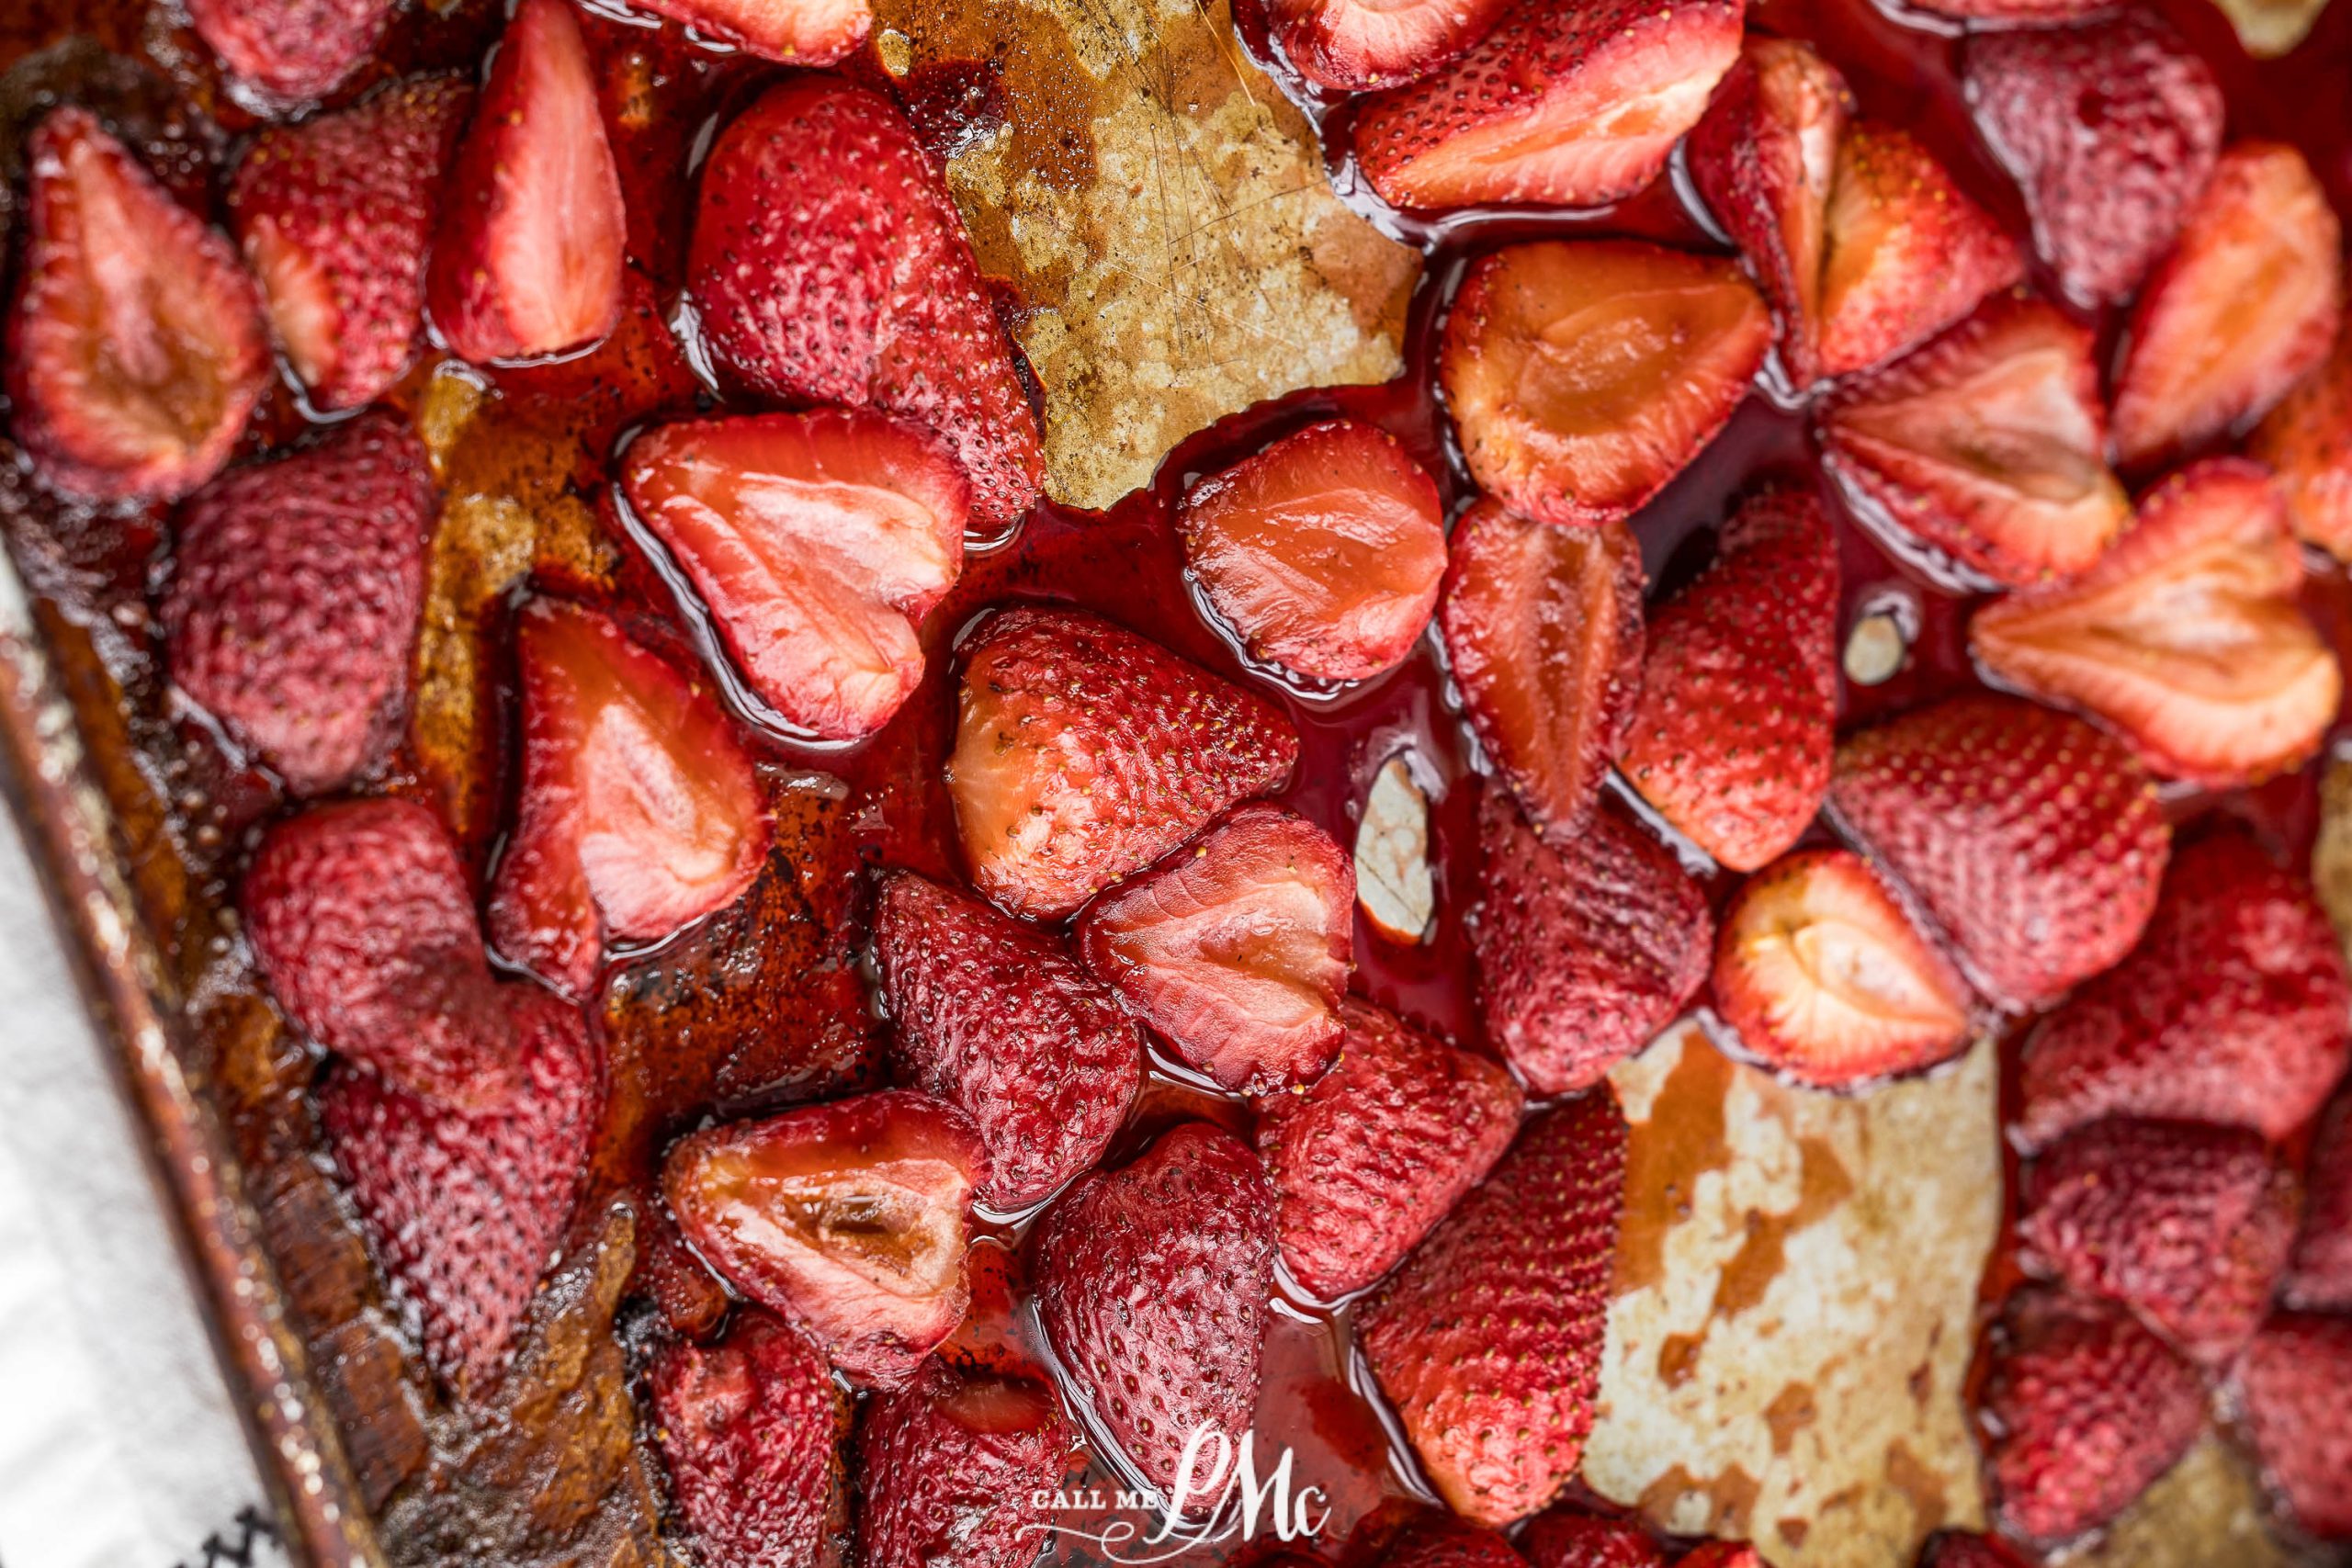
{"x":291,"y":49}
{"x":1358,"y":45}
{"x":957,"y":1470}
{"x":1564,"y":104}
{"x":1568,"y":1538}
{"x":1989,"y":445}
{"x":136,"y":350}
{"x":639,"y":811}
{"x":2034,"y":840}
{"x":1237,"y":948}
{"x":818,"y":542}
{"x":1084,"y":752}
{"x":1731,"y":738}
{"x":2294,"y":1384}
{"x":2243,"y":308}
{"x":798,"y":32}
{"x":850,"y":1217}
{"x":2307,"y":441}
{"x":1323,"y":551}
{"x":2319,"y":1272}
{"x":2041,"y":11}
{"x":529,"y":255}
{"x":1585,"y":374}
{"x":1542,"y":630}
{"x":2188,"y":636}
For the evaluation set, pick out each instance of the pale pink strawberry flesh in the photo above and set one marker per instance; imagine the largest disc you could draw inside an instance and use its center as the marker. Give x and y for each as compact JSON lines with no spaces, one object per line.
{"x":799,"y":32}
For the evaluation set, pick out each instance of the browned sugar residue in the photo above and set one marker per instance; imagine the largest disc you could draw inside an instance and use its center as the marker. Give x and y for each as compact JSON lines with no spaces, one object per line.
{"x":1920,"y":1486}
{"x":1791,"y":1412}
{"x":1793,"y":1530}
{"x":1822,"y":1183}
{"x":1682,"y":1140}
{"x":1731,"y":1498}
{"x":1678,"y":1357}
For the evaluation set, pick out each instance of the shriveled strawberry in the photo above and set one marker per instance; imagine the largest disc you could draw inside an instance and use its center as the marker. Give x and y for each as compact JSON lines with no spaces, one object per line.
{"x":2110,"y":130}
{"x":2319,"y":1272}
{"x":1380,"y":1148}
{"x":1907,"y":253}
{"x":2188,"y":636}
{"x":1722,"y":1554}
{"x":2294,"y":1384}
{"x":529,"y":255}
{"x":2307,"y":441}
{"x":2243,"y":308}
{"x":798,"y":32}
{"x":1563,"y":104}
{"x":296,"y":590}
{"x":462,"y":1209}
{"x":1542,"y":630}
{"x":848,"y":1216}
{"x":1237,"y":948}
{"x":1567,"y":1537}
{"x":998,"y":1017}
{"x":1965,"y":1549}
{"x":2034,"y":840}
{"x":1323,"y":551}
{"x":2085,"y":1408}
{"x":1731,"y":738}
{"x":1359,"y":45}
{"x":639,"y":811}
{"x":1585,"y":374}
{"x":1444,"y":1541}
{"x":136,"y":350}
{"x":818,"y":542}
{"x":828,"y":264}
{"x":1487,"y":1341}
{"x":1151,"y":1285}
{"x":291,"y":49}
{"x":2232,"y":1010}
{"x":951,"y":1469}
{"x":1084,"y":752}
{"x":1988,"y":445}
{"x":335,"y":215}
{"x":1588,"y":943}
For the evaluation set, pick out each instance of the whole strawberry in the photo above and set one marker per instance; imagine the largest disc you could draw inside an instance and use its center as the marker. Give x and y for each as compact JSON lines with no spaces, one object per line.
{"x":947,"y":1470}
{"x":2320,"y":1272}
{"x":1568,"y":1538}
{"x":2293,"y":1384}
{"x":291,"y":49}
{"x":1447,"y":1542}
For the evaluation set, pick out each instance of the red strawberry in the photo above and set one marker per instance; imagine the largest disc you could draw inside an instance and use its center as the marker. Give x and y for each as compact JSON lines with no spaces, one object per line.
{"x":1586,"y":942}
{"x":1443,"y":1541}
{"x":2307,"y":441}
{"x":1907,"y":253}
{"x":1542,"y":630}
{"x":2041,"y":11}
{"x":1585,"y":374}
{"x":136,"y":351}
{"x":291,"y":49}
{"x":818,"y":542}
{"x":335,"y":215}
{"x":828,"y":264}
{"x":2319,"y":1275}
{"x":1323,"y":551}
{"x":1356,"y":45}
{"x":2085,"y":1408}
{"x":2188,"y":636}
{"x":2110,"y":130}
{"x":1237,"y":948}
{"x":1565,"y":1538}
{"x":639,"y":809}
{"x":2034,"y":840}
{"x":950,"y":1469}
{"x":2188,"y":1223}
{"x":1487,"y":1342}
{"x":2233,"y":1009}
{"x":749,"y":1429}
{"x":1083,"y":753}
{"x":1731,"y":738}
{"x":849,"y":1217}
{"x":1151,"y":1283}
{"x":797,"y":32}
{"x":2294,"y":1384}
{"x":1722,"y":1554}
{"x":296,"y":587}
{"x":1821,"y":974}
{"x":1377,"y":1151}
{"x":463,"y":1209}
{"x":529,"y":258}
{"x":1988,"y":445}
{"x":998,"y":1017}
{"x":1961,"y":1549}
{"x":2243,"y":308}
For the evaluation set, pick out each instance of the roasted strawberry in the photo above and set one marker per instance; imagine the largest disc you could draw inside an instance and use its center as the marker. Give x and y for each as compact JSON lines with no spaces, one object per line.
{"x":1542,"y":630}
{"x":334,"y":216}
{"x":1380,"y":1148}
{"x":136,"y":350}
{"x":1585,"y":374}
{"x":529,"y":256}
{"x":828,"y":264}
{"x":2319,"y":1272}
{"x":2293,"y":1383}
{"x":1732,"y":737}
{"x":1567,"y":1537}
{"x":296,"y":590}
{"x":798,"y":32}
{"x":1487,"y":1341}
{"x":1323,"y":551}
{"x":2232,"y":1010}
{"x":1722,"y":1554}
{"x":998,"y":1017}
{"x":818,"y":542}
{"x":2034,"y":840}
{"x":950,"y":1470}
{"x":2110,"y":130}
{"x":2041,"y":11}
{"x":1444,"y":1541}
{"x":2188,"y":636}
{"x":1084,"y":752}
{"x":1151,"y":1285}
{"x":1988,"y":445}
{"x":850,"y":1217}
{"x":2243,"y":308}
{"x":462,"y":1209}
{"x":2307,"y":441}
{"x":291,"y":49}
{"x":1964,"y":1549}
{"x":1358,"y":45}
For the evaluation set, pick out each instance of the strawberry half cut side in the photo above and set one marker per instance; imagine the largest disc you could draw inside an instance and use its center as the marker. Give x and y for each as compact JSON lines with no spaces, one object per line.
{"x":794,"y":33}
{"x":2307,"y":442}
{"x":1354,"y":46}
